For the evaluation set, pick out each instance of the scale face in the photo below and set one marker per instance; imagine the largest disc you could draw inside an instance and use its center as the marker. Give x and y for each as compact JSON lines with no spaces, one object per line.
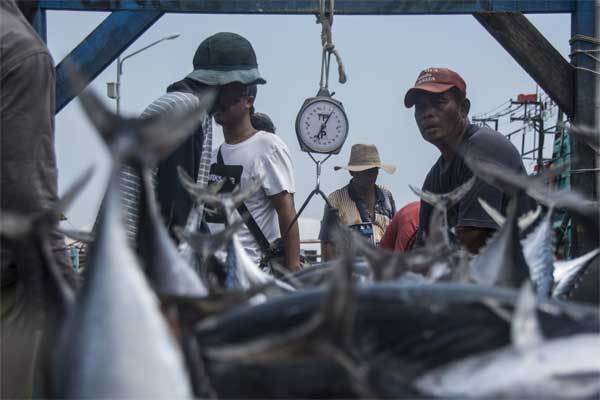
{"x":322,"y":125}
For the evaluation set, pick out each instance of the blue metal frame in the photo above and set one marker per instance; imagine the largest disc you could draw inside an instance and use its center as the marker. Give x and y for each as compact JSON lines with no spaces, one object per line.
{"x":99,"y":49}
{"x":348,"y":7}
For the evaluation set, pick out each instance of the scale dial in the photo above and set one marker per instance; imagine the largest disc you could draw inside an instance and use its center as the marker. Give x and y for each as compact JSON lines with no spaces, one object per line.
{"x":322,"y":125}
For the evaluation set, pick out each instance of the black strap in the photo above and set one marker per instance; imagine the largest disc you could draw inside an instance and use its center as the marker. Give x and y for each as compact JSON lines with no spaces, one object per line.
{"x":253,"y":227}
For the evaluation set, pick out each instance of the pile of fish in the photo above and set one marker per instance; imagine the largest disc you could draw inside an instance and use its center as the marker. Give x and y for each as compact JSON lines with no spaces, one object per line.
{"x":432,"y":322}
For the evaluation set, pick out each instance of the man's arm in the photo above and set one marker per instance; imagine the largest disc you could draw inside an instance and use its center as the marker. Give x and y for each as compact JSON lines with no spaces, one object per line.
{"x":284,"y":206}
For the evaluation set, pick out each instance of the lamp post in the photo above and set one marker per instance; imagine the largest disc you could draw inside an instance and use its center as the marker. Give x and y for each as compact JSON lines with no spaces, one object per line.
{"x":114,"y":88}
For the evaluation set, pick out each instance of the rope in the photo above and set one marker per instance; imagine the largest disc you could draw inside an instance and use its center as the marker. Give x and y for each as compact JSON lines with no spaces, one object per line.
{"x":588,"y":70}
{"x":587,"y":53}
{"x":584,"y":38}
{"x":326,"y":22}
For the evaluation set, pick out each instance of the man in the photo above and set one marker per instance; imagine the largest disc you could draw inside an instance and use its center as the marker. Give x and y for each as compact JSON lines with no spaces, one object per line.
{"x":362,"y":204}
{"x":246,"y":155}
{"x":401,"y":233}
{"x":219,"y":60}
{"x":441,"y":112}
{"x":28,"y":186}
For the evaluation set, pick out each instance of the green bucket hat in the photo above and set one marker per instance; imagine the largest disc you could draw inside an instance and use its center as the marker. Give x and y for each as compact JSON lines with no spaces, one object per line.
{"x":225,"y":58}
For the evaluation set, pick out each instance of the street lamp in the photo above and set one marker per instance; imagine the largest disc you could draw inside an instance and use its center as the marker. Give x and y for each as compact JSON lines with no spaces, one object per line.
{"x":114,"y":88}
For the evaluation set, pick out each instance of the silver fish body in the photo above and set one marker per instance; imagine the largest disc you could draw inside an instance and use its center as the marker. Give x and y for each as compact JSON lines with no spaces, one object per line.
{"x":561,"y":368}
{"x":538,"y":250}
{"x":501,"y":261}
{"x":115,"y":342}
{"x":166,"y":270}
{"x":566,"y":272}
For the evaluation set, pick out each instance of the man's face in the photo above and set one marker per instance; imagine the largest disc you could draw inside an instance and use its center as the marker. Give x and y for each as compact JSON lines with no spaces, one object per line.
{"x":439,"y":116}
{"x":366,"y":178}
{"x":232,"y":104}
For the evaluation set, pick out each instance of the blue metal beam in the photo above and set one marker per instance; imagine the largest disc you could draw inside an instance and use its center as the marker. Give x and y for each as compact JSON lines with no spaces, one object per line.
{"x":99,"y":49}
{"x":348,"y":7}
{"x":39,"y":24}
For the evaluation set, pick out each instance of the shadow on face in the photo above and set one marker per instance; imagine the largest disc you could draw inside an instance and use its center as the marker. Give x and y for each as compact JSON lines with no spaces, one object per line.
{"x":232,"y":104}
{"x":365,"y":179}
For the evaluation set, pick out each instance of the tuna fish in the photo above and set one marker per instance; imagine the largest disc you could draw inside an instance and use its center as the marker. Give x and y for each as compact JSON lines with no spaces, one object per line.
{"x":438,"y":227}
{"x":510,"y":182}
{"x":566,"y":367}
{"x":501,"y":261}
{"x":115,"y":342}
{"x":567,"y":272}
{"x":538,"y":247}
{"x":115,"y":337}
{"x":242,"y":272}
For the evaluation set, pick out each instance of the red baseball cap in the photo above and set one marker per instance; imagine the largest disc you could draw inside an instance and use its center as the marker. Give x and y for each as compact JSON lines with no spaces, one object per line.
{"x":435,"y":80}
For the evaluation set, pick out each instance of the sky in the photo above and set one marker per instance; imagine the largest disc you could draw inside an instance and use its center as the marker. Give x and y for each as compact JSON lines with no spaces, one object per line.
{"x":382,"y":56}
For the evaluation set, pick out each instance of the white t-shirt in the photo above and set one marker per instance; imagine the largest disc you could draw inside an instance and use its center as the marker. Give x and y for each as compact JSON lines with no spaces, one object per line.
{"x":266,"y":156}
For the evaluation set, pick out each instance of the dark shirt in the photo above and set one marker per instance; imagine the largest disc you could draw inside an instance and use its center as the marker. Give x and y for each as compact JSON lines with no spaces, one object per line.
{"x":445,"y":177}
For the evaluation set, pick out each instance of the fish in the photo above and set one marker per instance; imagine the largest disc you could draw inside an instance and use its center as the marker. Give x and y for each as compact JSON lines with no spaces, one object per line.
{"x":567,"y":272}
{"x":587,"y":135}
{"x":165,"y":268}
{"x":398,"y":333}
{"x":242,"y":272}
{"x":501,"y":262}
{"x":326,"y":334}
{"x":140,"y":144}
{"x":538,"y":246}
{"x":388,"y":265}
{"x":534,"y":186}
{"x":438,"y":226}
{"x":564,"y":367}
{"x":114,"y":337}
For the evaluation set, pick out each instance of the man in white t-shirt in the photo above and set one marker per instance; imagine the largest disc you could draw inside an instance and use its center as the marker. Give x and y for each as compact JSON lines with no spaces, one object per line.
{"x":248,"y":154}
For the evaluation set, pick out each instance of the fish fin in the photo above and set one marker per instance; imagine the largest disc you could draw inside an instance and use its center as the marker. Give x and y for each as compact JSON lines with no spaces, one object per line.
{"x":78,"y":235}
{"x":525,"y":221}
{"x":525,"y":325}
{"x":160,"y":135}
{"x":338,"y":304}
{"x":374,"y":257}
{"x":457,"y":194}
{"x":492,"y":212}
{"x":149,"y":139}
{"x":587,"y":135}
{"x":430,"y":198}
{"x":200,"y":195}
{"x":497,"y":175}
{"x":101,"y":117}
{"x":208,"y":244}
{"x":14,"y":225}
{"x":571,"y":200}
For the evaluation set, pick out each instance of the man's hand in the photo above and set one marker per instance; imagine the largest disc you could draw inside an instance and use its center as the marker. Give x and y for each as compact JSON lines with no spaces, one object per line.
{"x":284,"y":205}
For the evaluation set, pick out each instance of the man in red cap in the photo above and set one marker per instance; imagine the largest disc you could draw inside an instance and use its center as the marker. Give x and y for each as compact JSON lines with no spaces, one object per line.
{"x":441,"y":112}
